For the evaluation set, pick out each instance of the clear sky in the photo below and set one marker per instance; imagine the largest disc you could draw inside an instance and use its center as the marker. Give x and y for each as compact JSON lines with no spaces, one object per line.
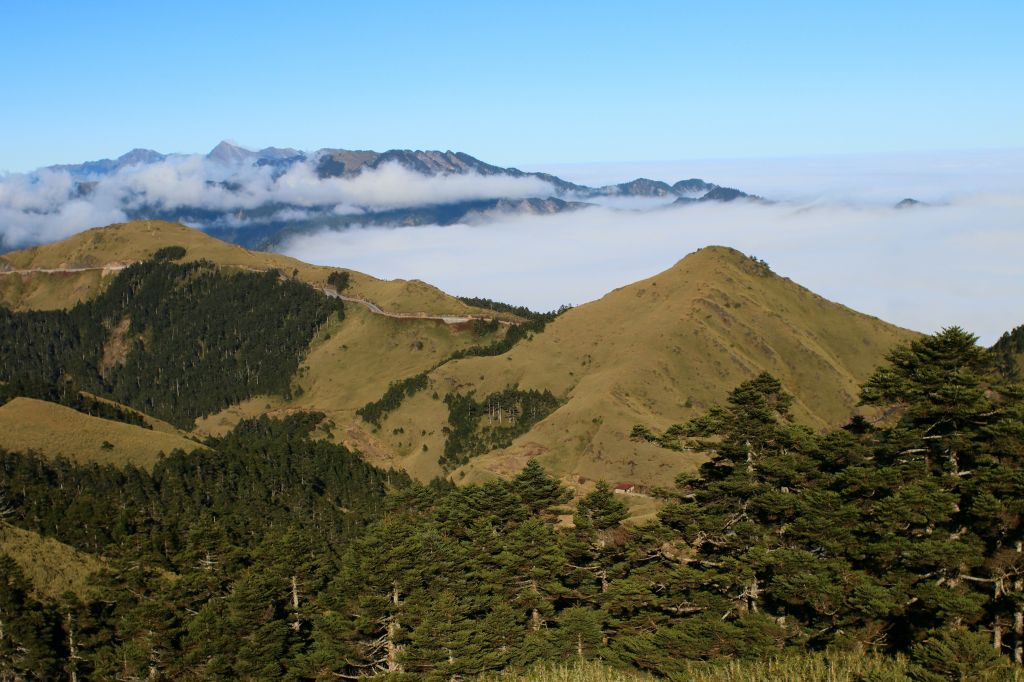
{"x":513,"y":82}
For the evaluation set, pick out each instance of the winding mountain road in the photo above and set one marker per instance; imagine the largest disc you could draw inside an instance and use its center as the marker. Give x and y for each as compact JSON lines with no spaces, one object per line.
{"x":106,"y":268}
{"x":377,"y":310}
{"x":327,"y":291}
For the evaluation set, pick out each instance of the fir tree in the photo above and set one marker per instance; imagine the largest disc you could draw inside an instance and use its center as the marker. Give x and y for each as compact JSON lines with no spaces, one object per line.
{"x":30,"y":632}
{"x":539,"y":491}
{"x":600,"y":510}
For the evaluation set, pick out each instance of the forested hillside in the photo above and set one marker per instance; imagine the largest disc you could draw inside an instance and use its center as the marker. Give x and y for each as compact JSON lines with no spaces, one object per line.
{"x":176,"y":341}
{"x":211,"y":558}
{"x":264,"y":473}
{"x":899,"y":537}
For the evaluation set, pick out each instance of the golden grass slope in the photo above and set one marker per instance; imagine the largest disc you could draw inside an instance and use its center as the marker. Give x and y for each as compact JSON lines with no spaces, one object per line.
{"x":350,"y":364}
{"x":657,"y":352}
{"x":49,"y":291}
{"x":53,"y":567}
{"x":54,"y":430}
{"x":124,"y":243}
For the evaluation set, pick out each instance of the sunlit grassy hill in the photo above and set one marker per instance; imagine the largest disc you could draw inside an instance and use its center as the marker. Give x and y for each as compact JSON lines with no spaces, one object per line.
{"x":654,"y":352}
{"x":349,"y":363}
{"x":53,"y":567}
{"x":54,"y":430}
{"x":659,"y":351}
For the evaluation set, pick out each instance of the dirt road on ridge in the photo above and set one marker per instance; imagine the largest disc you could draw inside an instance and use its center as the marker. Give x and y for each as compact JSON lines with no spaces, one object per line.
{"x":327,"y":291}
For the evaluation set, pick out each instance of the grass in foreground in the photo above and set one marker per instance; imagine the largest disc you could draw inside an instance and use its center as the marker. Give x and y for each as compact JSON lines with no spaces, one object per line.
{"x":815,"y":667}
{"x":588,"y":671}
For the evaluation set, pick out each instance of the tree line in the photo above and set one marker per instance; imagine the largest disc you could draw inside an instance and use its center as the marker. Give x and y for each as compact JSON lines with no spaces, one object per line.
{"x":374,"y":412}
{"x":1009,"y":350}
{"x":517,"y":310}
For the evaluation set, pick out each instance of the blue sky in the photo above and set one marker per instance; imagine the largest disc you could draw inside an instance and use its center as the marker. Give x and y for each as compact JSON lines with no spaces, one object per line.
{"x":513,"y":83}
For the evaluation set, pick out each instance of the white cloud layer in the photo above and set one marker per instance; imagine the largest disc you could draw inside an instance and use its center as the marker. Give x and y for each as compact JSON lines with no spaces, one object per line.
{"x":956,"y":262}
{"x":45,"y":206}
{"x":922,"y":268}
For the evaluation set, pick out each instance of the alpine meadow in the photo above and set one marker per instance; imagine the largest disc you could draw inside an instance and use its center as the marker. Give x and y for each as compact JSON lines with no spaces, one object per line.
{"x":529,"y":342}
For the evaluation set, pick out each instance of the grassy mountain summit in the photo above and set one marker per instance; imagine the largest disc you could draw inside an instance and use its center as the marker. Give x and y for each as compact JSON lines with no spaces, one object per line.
{"x":659,"y":350}
{"x":652,"y":352}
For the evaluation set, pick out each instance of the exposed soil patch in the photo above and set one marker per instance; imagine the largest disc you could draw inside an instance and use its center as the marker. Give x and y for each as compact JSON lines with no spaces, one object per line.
{"x":116,"y":349}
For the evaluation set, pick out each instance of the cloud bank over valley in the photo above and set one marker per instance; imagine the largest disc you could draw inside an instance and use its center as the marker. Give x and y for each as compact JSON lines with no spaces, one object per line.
{"x":528,"y":237}
{"x":924,"y":268}
{"x":54,"y":203}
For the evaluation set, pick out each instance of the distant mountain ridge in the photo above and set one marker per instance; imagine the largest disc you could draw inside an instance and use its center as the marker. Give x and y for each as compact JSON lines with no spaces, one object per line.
{"x":107,"y":166}
{"x":331,"y":163}
{"x":265,"y":224}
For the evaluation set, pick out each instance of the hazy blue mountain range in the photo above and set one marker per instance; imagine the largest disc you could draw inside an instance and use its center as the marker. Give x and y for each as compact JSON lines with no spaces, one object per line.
{"x":259,"y":198}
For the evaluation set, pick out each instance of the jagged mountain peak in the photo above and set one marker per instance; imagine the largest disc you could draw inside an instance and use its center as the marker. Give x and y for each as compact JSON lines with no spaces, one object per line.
{"x":227,"y":152}
{"x":141,"y":155}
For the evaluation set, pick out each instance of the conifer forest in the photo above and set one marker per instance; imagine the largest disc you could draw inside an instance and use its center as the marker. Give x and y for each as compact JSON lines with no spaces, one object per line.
{"x":276,"y":554}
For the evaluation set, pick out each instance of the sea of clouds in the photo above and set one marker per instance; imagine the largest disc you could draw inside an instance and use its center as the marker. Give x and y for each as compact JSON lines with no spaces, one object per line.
{"x":956,"y":260}
{"x":47,"y":205}
{"x":861,"y":179}
{"x":922,"y":268}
